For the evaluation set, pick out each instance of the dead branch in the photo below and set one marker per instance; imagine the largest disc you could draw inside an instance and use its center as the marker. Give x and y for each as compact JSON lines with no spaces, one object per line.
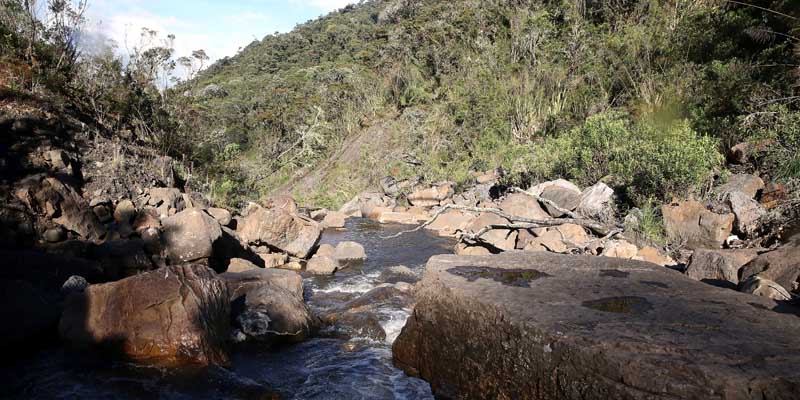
{"x":517,"y":222}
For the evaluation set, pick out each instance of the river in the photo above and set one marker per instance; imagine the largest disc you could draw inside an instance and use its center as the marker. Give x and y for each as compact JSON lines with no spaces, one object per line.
{"x":325,"y":367}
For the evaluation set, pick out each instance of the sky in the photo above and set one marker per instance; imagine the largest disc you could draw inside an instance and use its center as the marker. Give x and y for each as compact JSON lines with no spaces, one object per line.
{"x":220,"y":28}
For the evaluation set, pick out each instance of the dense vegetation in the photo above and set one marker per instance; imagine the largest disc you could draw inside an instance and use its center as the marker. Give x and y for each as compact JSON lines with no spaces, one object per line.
{"x":646,"y":94}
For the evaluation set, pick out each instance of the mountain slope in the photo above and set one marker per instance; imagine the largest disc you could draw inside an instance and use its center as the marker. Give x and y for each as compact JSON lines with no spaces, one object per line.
{"x":434,"y":89}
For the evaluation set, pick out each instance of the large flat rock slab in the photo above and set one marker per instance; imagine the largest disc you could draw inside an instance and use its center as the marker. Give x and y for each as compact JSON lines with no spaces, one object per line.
{"x":544,"y":326}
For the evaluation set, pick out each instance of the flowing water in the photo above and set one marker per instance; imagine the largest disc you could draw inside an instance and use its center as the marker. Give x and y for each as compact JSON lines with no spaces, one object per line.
{"x":319,"y":368}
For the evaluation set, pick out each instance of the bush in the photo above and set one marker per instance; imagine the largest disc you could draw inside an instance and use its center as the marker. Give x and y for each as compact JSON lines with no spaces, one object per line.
{"x":644,"y":159}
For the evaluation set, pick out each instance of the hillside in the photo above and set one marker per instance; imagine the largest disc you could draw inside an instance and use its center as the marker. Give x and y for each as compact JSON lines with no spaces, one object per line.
{"x":646,"y":95}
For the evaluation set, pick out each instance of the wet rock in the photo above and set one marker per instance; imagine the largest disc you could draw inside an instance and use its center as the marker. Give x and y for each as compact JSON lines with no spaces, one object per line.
{"x":172,"y":316}
{"x":334,"y":219}
{"x":322,"y":265}
{"x":190,"y":235}
{"x":748,"y":212}
{"x":349,"y":251}
{"x":719,"y":266}
{"x":781,"y":266}
{"x":563,"y":193}
{"x":597,"y":202}
{"x":399,"y":273}
{"x":502,"y":239}
{"x":522,"y":205}
{"x":268,"y":306}
{"x":281,"y":230}
{"x":486,"y":337}
{"x":240,"y":265}
{"x":749,"y":185}
{"x":222,"y":215}
{"x":432,"y":196}
{"x":691,"y":223}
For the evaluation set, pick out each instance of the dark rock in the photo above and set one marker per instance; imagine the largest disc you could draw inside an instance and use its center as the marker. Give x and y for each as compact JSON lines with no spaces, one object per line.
{"x":582,"y":332}
{"x":30,"y":315}
{"x":719,"y":266}
{"x":75,"y":284}
{"x":781,"y":266}
{"x":172,"y":316}
{"x":564,"y":194}
{"x":268,"y":306}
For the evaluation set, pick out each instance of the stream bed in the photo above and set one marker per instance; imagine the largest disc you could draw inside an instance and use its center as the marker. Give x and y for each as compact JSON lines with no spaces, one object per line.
{"x":324,"y":367}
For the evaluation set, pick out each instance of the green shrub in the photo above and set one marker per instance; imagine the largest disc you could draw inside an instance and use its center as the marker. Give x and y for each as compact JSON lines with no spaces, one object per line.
{"x":643,"y":159}
{"x":780,"y":128}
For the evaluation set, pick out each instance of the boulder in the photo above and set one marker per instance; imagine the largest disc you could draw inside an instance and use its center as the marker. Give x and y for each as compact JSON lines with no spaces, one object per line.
{"x":781,"y":266}
{"x":375,"y":213}
{"x":432,"y":196}
{"x":55,"y":235}
{"x":620,"y":249}
{"x":222,"y":215}
{"x":719,"y":266}
{"x":398,"y":273}
{"x":281,"y":230}
{"x":655,"y":256}
{"x":267,"y":305}
{"x":125,"y":212}
{"x":349,"y":251}
{"x":522,"y":205}
{"x":558,"y":239}
{"x":597,"y":202}
{"x":774,"y":193}
{"x":75,"y":284}
{"x":274,"y":260}
{"x":691,"y":223}
{"x":466,"y":249}
{"x":564,"y":194}
{"x":172,"y":316}
{"x":122,"y":258}
{"x":190,"y":235}
{"x":368,"y":201}
{"x":749,"y":185}
{"x":334,"y":219}
{"x":352,"y":208}
{"x":322,"y":265}
{"x":748,"y":212}
{"x":283,"y":202}
{"x":395,"y":217}
{"x":240,"y":265}
{"x":326,"y":250}
{"x":450,"y":222}
{"x":763,"y":287}
{"x":536,"y":325}
{"x":167,"y":201}
{"x":53,"y":199}
{"x":501,"y":239}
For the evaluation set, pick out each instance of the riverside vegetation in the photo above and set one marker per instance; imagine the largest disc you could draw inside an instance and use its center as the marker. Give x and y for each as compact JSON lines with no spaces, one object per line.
{"x":588,"y":162}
